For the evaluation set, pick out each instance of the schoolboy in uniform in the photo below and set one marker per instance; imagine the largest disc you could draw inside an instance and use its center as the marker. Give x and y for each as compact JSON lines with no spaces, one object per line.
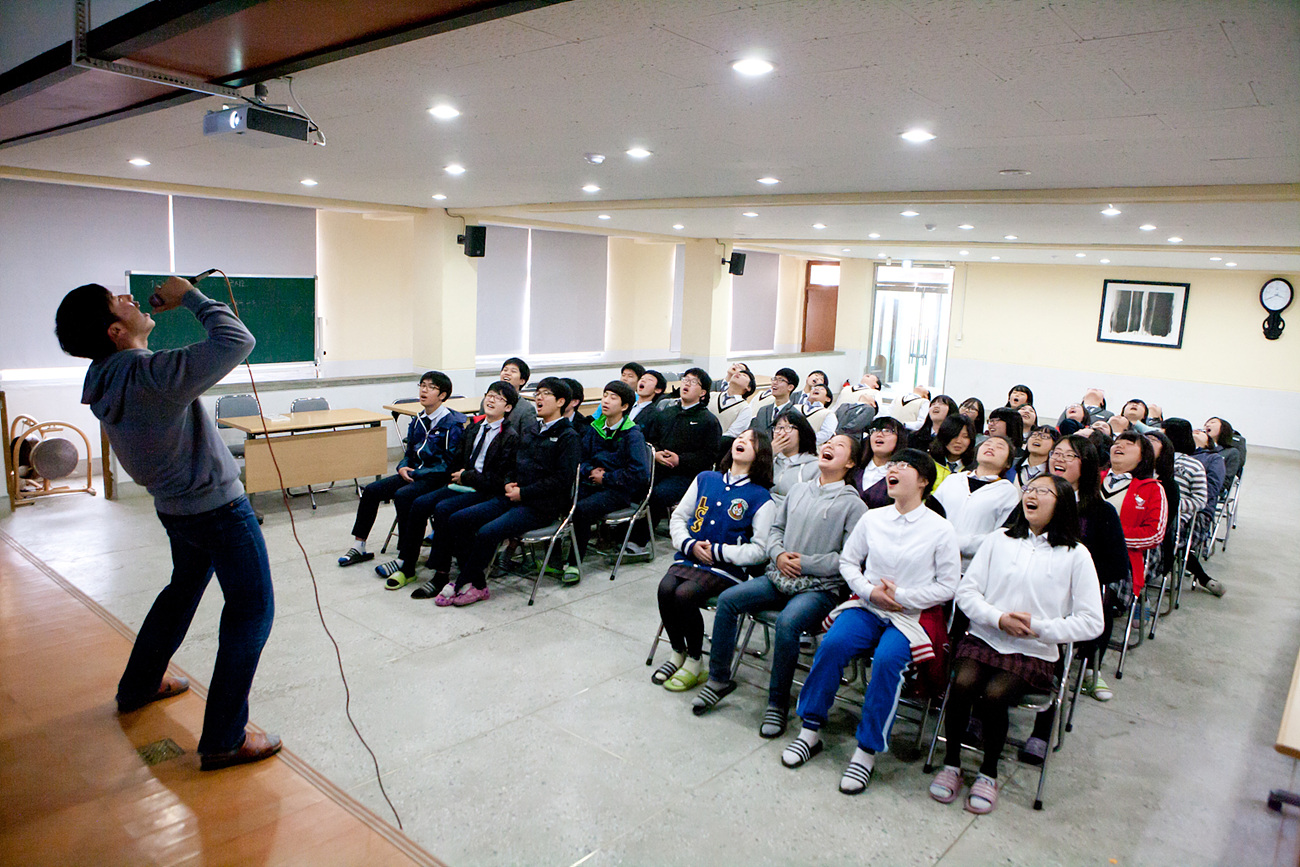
{"x":516,"y":372}
{"x":784,"y":382}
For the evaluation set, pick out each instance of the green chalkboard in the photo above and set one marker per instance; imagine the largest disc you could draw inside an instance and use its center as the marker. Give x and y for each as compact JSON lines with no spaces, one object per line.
{"x":280,"y":311}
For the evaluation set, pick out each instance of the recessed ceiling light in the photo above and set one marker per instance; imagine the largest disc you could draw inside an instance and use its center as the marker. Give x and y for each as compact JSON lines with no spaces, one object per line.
{"x":442,"y":111}
{"x":844,"y":250}
{"x":819,"y":225}
{"x":750,"y":214}
{"x":907,"y":263}
{"x":139,"y":161}
{"x":1080,"y":255}
{"x":1174,"y":239}
{"x":873,"y":235}
{"x":1216,"y":258}
{"x":881,"y":255}
{"x":769,"y":181}
{"x":963,"y":252}
{"x":638,"y":153}
{"x":594,"y":159}
{"x":602,"y":216}
{"x":439,"y":196}
{"x":1147,"y":227}
{"x":455,"y":169}
{"x":1105,"y":261}
{"x":1009,"y":237}
{"x":678,"y":226}
{"x":1019,"y":173}
{"x":307,"y":182}
{"x":917,"y":136}
{"x":1112,"y":211}
{"x":1230,"y":264}
{"x":995,"y":258}
{"x":752,"y":66}
{"x":591,"y":188}
{"x":965,"y":226}
{"x":910,"y":213}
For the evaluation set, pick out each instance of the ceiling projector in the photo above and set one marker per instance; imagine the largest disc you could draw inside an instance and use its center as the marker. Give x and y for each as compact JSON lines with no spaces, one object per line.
{"x":255,"y":125}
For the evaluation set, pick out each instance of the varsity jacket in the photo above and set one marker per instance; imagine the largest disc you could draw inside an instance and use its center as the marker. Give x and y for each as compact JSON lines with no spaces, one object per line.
{"x":731,"y":513}
{"x":545,"y":467}
{"x":621,"y":453}
{"x":432,"y":446}
{"x":694,"y":435}
{"x":497,"y":462}
{"x":1142,"y":514}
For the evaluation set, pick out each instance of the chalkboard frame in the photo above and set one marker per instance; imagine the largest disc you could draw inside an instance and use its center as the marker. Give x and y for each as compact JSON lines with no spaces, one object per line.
{"x":294,"y":339}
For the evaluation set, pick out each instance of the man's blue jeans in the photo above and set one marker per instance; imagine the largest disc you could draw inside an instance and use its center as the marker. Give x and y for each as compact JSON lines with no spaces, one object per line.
{"x":227,"y":541}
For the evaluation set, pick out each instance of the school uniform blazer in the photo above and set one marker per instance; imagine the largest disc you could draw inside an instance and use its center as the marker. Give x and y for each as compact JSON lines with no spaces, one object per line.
{"x":497,"y":462}
{"x":1143,"y":515}
{"x":766,"y":416}
{"x":545,"y":467}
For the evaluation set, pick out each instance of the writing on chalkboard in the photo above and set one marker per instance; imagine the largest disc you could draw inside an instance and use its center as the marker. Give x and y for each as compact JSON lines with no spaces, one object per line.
{"x":280,"y":311}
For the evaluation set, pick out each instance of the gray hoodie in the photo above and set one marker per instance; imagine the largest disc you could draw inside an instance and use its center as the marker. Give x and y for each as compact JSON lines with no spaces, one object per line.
{"x":789,"y":471}
{"x":149,"y":404}
{"x":813,"y":521}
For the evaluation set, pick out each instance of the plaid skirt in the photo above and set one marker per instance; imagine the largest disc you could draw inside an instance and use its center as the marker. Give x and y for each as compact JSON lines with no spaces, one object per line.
{"x":1038,"y":673}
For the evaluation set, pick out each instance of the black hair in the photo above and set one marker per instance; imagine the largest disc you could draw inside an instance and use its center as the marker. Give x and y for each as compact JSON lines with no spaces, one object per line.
{"x":635,"y":367}
{"x":507,"y":391}
{"x":623,"y":390}
{"x":873,"y":374}
{"x":706,"y":381}
{"x":1226,"y":432}
{"x":1102,"y":441}
{"x":760,"y":471}
{"x":1015,"y":424}
{"x":1179,"y":431}
{"x":1089,"y":469}
{"x":557,"y":387}
{"x":576,"y":392}
{"x":1145,"y":409}
{"x":1030,"y":407}
{"x":1045,"y":429}
{"x":1012,"y":450}
{"x":789,"y":376}
{"x":520,"y":365}
{"x":1023,"y":389}
{"x":885,"y":423}
{"x":1063,"y":528}
{"x":438,"y":380}
{"x":924,"y":466}
{"x":979,"y":410}
{"x":825,"y":379}
{"x":953,"y":425}
{"x":661,"y":383}
{"x":752,"y":387}
{"x":798,"y":421}
{"x":927,"y":427}
{"x":855,"y":450}
{"x":82,"y":322}
{"x":830,"y":399}
{"x":1164,"y":464}
{"x":1146,"y":464}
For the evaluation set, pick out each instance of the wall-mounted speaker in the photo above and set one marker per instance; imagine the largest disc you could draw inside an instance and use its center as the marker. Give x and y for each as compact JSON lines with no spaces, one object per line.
{"x":737,"y":264}
{"x":475,"y":241}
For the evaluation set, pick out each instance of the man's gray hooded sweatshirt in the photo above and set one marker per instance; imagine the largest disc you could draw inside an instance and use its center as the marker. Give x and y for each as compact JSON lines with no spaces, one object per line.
{"x":813,"y":521}
{"x":149,"y":404}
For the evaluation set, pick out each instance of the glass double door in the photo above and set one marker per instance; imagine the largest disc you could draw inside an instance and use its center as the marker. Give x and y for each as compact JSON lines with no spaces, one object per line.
{"x":909,"y":338}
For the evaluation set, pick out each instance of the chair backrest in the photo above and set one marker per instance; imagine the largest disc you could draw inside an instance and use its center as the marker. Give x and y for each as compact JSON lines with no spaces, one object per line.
{"x":650,"y":454}
{"x":308,"y":404}
{"x":236,"y":405}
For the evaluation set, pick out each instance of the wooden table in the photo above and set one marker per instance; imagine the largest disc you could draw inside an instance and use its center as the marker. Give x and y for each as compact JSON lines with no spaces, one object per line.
{"x":1288,"y":739}
{"x":312,"y":448}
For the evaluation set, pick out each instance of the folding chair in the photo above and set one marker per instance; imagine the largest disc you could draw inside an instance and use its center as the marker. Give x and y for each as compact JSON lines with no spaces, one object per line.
{"x":631,"y":515}
{"x":1054,"y":701}
{"x":1222,"y":517}
{"x":711,"y":605}
{"x":1171,"y":581}
{"x":312,"y":404}
{"x":234,"y":406}
{"x":557,"y":531}
{"x":1136,"y":617}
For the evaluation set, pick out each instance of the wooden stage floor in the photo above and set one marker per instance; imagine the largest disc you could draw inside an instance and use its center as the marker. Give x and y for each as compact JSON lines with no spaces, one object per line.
{"x":74,"y":789}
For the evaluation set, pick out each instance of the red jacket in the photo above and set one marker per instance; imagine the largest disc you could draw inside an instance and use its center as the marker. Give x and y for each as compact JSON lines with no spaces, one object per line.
{"x":1143,"y":515}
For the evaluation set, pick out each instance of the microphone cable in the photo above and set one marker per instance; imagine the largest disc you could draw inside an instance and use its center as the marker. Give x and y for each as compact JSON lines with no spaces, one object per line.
{"x":320,"y":611}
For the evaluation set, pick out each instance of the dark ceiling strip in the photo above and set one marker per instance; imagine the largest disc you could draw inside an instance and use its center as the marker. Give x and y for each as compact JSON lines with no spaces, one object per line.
{"x":178,"y":97}
{"x":157,"y":22}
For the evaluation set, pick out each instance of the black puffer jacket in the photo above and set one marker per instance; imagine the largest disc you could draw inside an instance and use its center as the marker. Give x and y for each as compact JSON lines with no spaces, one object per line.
{"x":694,"y":435}
{"x":545,"y":467}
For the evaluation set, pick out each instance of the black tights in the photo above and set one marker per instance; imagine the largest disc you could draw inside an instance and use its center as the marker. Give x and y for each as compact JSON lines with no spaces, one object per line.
{"x":1196,"y":569}
{"x":997,"y":690}
{"x":682,"y":593}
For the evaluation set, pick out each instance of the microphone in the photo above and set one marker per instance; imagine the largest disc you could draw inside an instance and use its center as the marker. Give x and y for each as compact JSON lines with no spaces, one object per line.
{"x":155,"y":300}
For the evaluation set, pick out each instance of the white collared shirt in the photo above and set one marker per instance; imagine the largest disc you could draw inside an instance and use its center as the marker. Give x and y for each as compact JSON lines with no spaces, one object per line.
{"x":486,"y":434}
{"x":917,"y":551}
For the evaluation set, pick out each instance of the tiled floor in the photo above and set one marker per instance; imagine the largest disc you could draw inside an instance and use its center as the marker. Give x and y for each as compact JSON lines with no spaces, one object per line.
{"x":510,"y":734}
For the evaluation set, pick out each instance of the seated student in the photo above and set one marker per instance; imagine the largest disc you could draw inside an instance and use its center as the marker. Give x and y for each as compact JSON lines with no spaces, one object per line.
{"x":1229,"y":443}
{"x":487,"y":453}
{"x":1140,"y":500}
{"x":631,"y":373}
{"x":1094,"y":405}
{"x":1028,"y":421}
{"x":817,"y":408}
{"x":817,"y":377}
{"x":1075,"y":414}
{"x":794,"y":453}
{"x":577,"y":394}
{"x":973,"y":409}
{"x":1135,"y":411}
{"x":615,"y":468}
{"x":1019,"y":395}
{"x":1180,"y":433}
{"x":940,"y":409}
{"x":1033,"y":463}
{"x":1007,"y":422}
{"x":883,"y":440}
{"x":516,"y":372}
{"x":432,"y":440}
{"x":912,"y":407}
{"x":977,"y":501}
{"x":869,"y":383}
{"x":719,"y":528}
{"x":802,"y":580}
{"x":732,"y":406}
{"x":1160,"y":559}
{"x":953,"y":447}
{"x":650,"y":390}
{"x":784,"y":382}
{"x":899,"y":561}
{"x":855,"y":408}
{"x":1101,"y":441}
{"x":687,"y":438}
{"x":732,"y":370}
{"x":537,"y":491}
{"x":1030,"y":587}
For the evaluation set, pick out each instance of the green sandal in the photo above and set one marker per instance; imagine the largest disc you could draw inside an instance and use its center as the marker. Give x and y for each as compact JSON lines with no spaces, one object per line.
{"x":398,"y":580}
{"x":684,"y":680}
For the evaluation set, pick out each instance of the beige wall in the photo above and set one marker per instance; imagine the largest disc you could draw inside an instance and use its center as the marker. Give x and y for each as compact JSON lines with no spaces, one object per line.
{"x":789,"y":303}
{"x":638,"y":313}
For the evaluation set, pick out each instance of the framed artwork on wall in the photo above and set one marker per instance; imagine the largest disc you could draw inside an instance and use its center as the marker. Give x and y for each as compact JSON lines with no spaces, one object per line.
{"x":1143,"y":313}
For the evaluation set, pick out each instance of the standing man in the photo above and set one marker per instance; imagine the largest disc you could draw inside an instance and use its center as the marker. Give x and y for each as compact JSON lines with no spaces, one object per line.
{"x":149,"y":405}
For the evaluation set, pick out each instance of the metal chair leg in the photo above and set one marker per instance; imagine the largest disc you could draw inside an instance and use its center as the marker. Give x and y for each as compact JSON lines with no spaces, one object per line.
{"x":622,"y":549}
{"x":654,"y":645}
{"x":542,"y":569}
{"x":938,"y":730}
{"x":389,"y":538}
